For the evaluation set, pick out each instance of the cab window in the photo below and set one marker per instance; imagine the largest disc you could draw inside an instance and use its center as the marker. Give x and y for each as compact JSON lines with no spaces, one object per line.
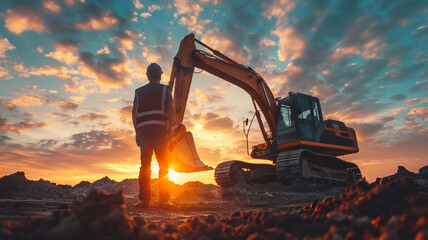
{"x":317,"y":115}
{"x":285,"y":120}
{"x":305,"y":118}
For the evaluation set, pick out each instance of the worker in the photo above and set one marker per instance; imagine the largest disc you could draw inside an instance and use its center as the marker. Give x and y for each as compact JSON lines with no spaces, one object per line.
{"x":152,"y":116}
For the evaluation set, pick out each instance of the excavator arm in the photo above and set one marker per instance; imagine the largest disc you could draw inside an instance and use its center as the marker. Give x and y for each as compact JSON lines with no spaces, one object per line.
{"x":188,"y":58}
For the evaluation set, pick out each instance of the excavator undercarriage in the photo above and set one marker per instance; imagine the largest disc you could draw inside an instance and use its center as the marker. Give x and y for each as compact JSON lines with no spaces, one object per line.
{"x":289,"y":165}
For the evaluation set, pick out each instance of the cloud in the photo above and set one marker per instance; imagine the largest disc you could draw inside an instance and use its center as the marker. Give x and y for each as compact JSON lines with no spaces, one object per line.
{"x":78,"y":98}
{"x":126,"y":39}
{"x":7,"y":105}
{"x":138,"y":4}
{"x":52,"y":6}
{"x":65,"y":106}
{"x":214,"y":122}
{"x":126,"y":115}
{"x":421,"y":32}
{"x":59,"y":71}
{"x":145,"y":15}
{"x":3,"y":138}
{"x":53,"y":116}
{"x":291,"y":43}
{"x":419,"y":112}
{"x":93,"y":116}
{"x":65,"y":51}
{"x":154,"y":7}
{"x":365,"y":131}
{"x":89,"y":141}
{"x":223,"y":43}
{"x":29,"y":100}
{"x":209,"y":94}
{"x":414,"y":101}
{"x":323,"y":91}
{"x":279,"y":9}
{"x":210,"y":156}
{"x":4,"y":73}
{"x":5,"y":45}
{"x":420,"y":86}
{"x":187,"y":7}
{"x":398,"y":96}
{"x":101,"y":22}
{"x":191,"y":10}
{"x":113,"y":100}
{"x":110,"y":72}
{"x":23,"y":19}
{"x":267,"y":43}
{"x":26,"y":125}
{"x":104,"y":50}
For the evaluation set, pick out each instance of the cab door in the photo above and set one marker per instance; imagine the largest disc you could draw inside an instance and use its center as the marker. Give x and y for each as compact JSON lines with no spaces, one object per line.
{"x":286,"y":124}
{"x":305,"y":119}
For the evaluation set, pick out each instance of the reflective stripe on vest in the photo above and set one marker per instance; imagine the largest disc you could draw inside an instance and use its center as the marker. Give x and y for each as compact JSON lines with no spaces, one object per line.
{"x":153,"y":112}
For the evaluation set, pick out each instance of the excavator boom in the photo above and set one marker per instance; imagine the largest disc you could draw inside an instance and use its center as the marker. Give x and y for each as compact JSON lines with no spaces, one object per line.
{"x":188,"y":57}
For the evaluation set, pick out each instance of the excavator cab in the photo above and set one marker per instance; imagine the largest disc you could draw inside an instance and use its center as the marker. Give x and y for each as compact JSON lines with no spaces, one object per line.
{"x":299,"y":118}
{"x":300,"y":124}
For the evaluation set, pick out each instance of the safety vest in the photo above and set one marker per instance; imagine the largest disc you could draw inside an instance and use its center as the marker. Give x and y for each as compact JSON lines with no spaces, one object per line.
{"x":150,"y":108}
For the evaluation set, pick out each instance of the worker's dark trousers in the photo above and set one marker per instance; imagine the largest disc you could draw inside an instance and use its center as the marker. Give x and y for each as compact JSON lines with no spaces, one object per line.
{"x":150,"y":142}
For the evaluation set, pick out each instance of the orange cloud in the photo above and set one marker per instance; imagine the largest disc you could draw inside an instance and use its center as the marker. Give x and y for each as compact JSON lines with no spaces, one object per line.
{"x":98,"y":23}
{"x":414,"y":101}
{"x":126,"y":39}
{"x":78,"y":98}
{"x":105,"y":50}
{"x":344,"y":51}
{"x":18,"y":21}
{"x":52,"y":6}
{"x":223,"y":43}
{"x":419,"y":112}
{"x":214,"y":122}
{"x":210,"y":94}
{"x":137,"y":4}
{"x":65,"y":52}
{"x":67,"y":105}
{"x":28,"y":100}
{"x":108,"y":72}
{"x":323,"y":91}
{"x":59,"y":71}
{"x":126,"y":115}
{"x":5,"y":45}
{"x":92,"y":116}
{"x":4,"y":73}
{"x":28,"y":124}
{"x":187,"y":7}
{"x":291,"y":43}
{"x":279,"y":9}
{"x":266,"y":43}
{"x":145,"y":15}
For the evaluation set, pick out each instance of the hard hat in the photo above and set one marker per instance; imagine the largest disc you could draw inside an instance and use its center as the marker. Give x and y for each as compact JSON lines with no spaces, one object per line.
{"x":154,"y":70}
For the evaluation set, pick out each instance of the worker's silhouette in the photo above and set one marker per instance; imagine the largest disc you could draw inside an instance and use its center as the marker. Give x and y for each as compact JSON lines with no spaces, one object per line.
{"x":152,"y":113}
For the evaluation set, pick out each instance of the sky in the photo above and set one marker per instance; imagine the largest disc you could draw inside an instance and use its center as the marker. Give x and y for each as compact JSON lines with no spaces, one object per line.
{"x":69,"y":68}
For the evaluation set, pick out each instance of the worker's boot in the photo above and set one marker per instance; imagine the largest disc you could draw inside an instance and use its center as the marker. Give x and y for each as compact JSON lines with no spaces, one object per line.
{"x":165,"y":204}
{"x":141,"y":204}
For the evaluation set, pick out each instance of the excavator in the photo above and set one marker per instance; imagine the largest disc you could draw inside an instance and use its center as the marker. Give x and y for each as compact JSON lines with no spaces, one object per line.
{"x":298,"y":142}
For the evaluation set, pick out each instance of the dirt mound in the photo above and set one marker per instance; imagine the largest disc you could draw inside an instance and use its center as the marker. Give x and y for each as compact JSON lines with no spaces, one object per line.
{"x":10,"y":185}
{"x":390,"y":208}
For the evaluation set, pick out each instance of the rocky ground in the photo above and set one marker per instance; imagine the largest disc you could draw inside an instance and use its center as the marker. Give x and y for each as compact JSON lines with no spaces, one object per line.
{"x":393,"y":207}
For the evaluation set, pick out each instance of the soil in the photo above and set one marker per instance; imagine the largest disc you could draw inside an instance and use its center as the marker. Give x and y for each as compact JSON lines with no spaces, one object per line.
{"x":393,"y":207}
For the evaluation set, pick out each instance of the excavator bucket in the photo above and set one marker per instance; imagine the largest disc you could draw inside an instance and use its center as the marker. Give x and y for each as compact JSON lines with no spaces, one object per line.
{"x":183,"y":155}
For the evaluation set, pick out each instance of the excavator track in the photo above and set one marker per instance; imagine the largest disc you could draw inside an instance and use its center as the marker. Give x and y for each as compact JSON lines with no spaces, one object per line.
{"x":232,"y":172}
{"x":317,"y":167}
